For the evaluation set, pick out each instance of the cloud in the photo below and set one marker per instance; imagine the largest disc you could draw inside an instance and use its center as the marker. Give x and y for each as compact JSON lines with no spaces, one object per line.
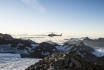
{"x":34,"y":4}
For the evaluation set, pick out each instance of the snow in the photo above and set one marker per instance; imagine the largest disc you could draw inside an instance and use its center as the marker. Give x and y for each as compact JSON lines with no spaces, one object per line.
{"x":14,"y":62}
{"x":99,"y":52}
{"x":64,"y":48}
{"x":34,"y":45}
{"x":32,"y":49}
{"x":20,"y":44}
{"x":80,"y":48}
{"x":45,"y":53}
{"x":7,"y":45}
{"x":78,"y":52}
{"x":23,"y":51}
{"x":8,"y":50}
{"x":29,"y":49}
{"x":9,"y":55}
{"x":75,"y":49}
{"x":53,"y":49}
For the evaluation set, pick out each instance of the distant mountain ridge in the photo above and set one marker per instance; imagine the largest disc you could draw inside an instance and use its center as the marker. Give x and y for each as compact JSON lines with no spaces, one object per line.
{"x":29,"y":48}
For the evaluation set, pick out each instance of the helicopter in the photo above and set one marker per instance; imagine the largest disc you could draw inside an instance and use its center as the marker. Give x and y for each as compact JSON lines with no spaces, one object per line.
{"x":53,"y":34}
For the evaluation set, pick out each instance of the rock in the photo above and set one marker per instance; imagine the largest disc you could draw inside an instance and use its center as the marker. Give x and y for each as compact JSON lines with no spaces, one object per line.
{"x":64,"y":61}
{"x":5,"y":39}
{"x":6,"y":36}
{"x":44,"y":49}
{"x":71,"y":64}
{"x":77,"y":63}
{"x":51,"y":68}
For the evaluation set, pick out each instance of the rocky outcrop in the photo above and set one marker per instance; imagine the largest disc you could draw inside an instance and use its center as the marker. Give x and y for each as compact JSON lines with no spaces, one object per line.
{"x":99,"y":60}
{"x":94,"y":42}
{"x":80,"y":49}
{"x":97,"y":40}
{"x":6,"y":36}
{"x":86,"y":53}
{"x":44,"y":49}
{"x":17,"y":42}
{"x":100,"y":40}
{"x":64,"y":61}
{"x":5,"y":39}
{"x":88,"y":39}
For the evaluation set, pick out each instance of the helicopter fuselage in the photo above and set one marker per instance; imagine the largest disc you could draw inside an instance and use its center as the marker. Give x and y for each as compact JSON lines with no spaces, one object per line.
{"x":54,"y":34}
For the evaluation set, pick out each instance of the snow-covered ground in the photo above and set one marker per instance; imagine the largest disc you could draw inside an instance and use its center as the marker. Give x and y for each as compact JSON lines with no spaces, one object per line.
{"x":14,"y":62}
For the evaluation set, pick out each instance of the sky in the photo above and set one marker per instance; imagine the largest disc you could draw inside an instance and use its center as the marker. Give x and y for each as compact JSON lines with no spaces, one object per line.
{"x":70,"y":17}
